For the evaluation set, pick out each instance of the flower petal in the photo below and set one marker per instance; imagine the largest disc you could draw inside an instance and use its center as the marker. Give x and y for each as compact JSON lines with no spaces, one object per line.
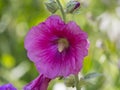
{"x":55,"y":22}
{"x":33,"y":36}
{"x":75,"y":29}
{"x":7,"y":87}
{"x":40,"y":83}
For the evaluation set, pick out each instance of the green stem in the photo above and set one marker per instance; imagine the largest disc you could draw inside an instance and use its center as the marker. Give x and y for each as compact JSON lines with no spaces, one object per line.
{"x":62,"y":11}
{"x":77,"y":82}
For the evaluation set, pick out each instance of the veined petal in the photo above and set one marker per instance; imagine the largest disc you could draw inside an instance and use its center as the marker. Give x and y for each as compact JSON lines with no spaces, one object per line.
{"x":40,"y":83}
{"x":55,"y":22}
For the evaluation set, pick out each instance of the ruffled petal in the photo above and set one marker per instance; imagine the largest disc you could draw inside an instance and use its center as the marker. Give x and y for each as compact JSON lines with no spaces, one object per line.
{"x":73,"y":27}
{"x":33,"y":41}
{"x":55,"y":22}
{"x":40,"y":83}
{"x":34,"y":35}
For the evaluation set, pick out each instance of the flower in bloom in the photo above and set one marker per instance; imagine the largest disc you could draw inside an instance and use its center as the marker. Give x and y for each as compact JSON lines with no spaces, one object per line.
{"x":7,"y":87}
{"x":40,"y":83}
{"x":57,"y":48}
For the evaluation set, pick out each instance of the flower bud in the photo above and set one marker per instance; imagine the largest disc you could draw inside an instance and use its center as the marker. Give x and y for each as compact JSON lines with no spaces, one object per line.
{"x":70,"y":81}
{"x":72,"y":6}
{"x":51,"y":6}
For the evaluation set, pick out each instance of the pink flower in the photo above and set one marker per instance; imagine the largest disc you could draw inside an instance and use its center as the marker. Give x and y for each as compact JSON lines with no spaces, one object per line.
{"x":7,"y":87}
{"x":57,"y":48}
{"x":40,"y":83}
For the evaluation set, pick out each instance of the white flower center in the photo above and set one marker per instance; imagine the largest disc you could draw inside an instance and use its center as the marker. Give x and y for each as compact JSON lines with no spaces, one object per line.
{"x":62,"y":44}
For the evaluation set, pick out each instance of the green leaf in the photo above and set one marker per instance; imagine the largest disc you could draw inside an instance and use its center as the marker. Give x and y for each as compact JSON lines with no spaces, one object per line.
{"x":84,"y":82}
{"x":92,"y":75}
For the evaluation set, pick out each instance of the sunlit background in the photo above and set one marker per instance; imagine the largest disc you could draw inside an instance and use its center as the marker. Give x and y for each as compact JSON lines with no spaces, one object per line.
{"x":99,"y":18}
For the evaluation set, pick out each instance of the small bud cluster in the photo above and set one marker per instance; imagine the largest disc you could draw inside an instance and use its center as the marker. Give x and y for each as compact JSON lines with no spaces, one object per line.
{"x":71,"y":7}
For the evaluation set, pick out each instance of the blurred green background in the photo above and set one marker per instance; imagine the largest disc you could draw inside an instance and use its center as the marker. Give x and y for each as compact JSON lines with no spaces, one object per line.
{"x":99,"y":18}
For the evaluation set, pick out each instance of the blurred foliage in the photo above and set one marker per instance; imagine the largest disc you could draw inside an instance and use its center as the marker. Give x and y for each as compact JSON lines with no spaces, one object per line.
{"x":18,"y":16}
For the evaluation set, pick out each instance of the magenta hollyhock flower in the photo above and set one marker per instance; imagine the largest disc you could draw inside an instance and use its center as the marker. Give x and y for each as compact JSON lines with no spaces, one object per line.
{"x":57,"y":48}
{"x":40,"y":83}
{"x":7,"y":87}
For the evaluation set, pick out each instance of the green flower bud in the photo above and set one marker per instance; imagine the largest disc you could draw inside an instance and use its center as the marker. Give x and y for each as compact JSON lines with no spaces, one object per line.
{"x":72,"y":6}
{"x":70,"y":81}
{"x":52,"y":6}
